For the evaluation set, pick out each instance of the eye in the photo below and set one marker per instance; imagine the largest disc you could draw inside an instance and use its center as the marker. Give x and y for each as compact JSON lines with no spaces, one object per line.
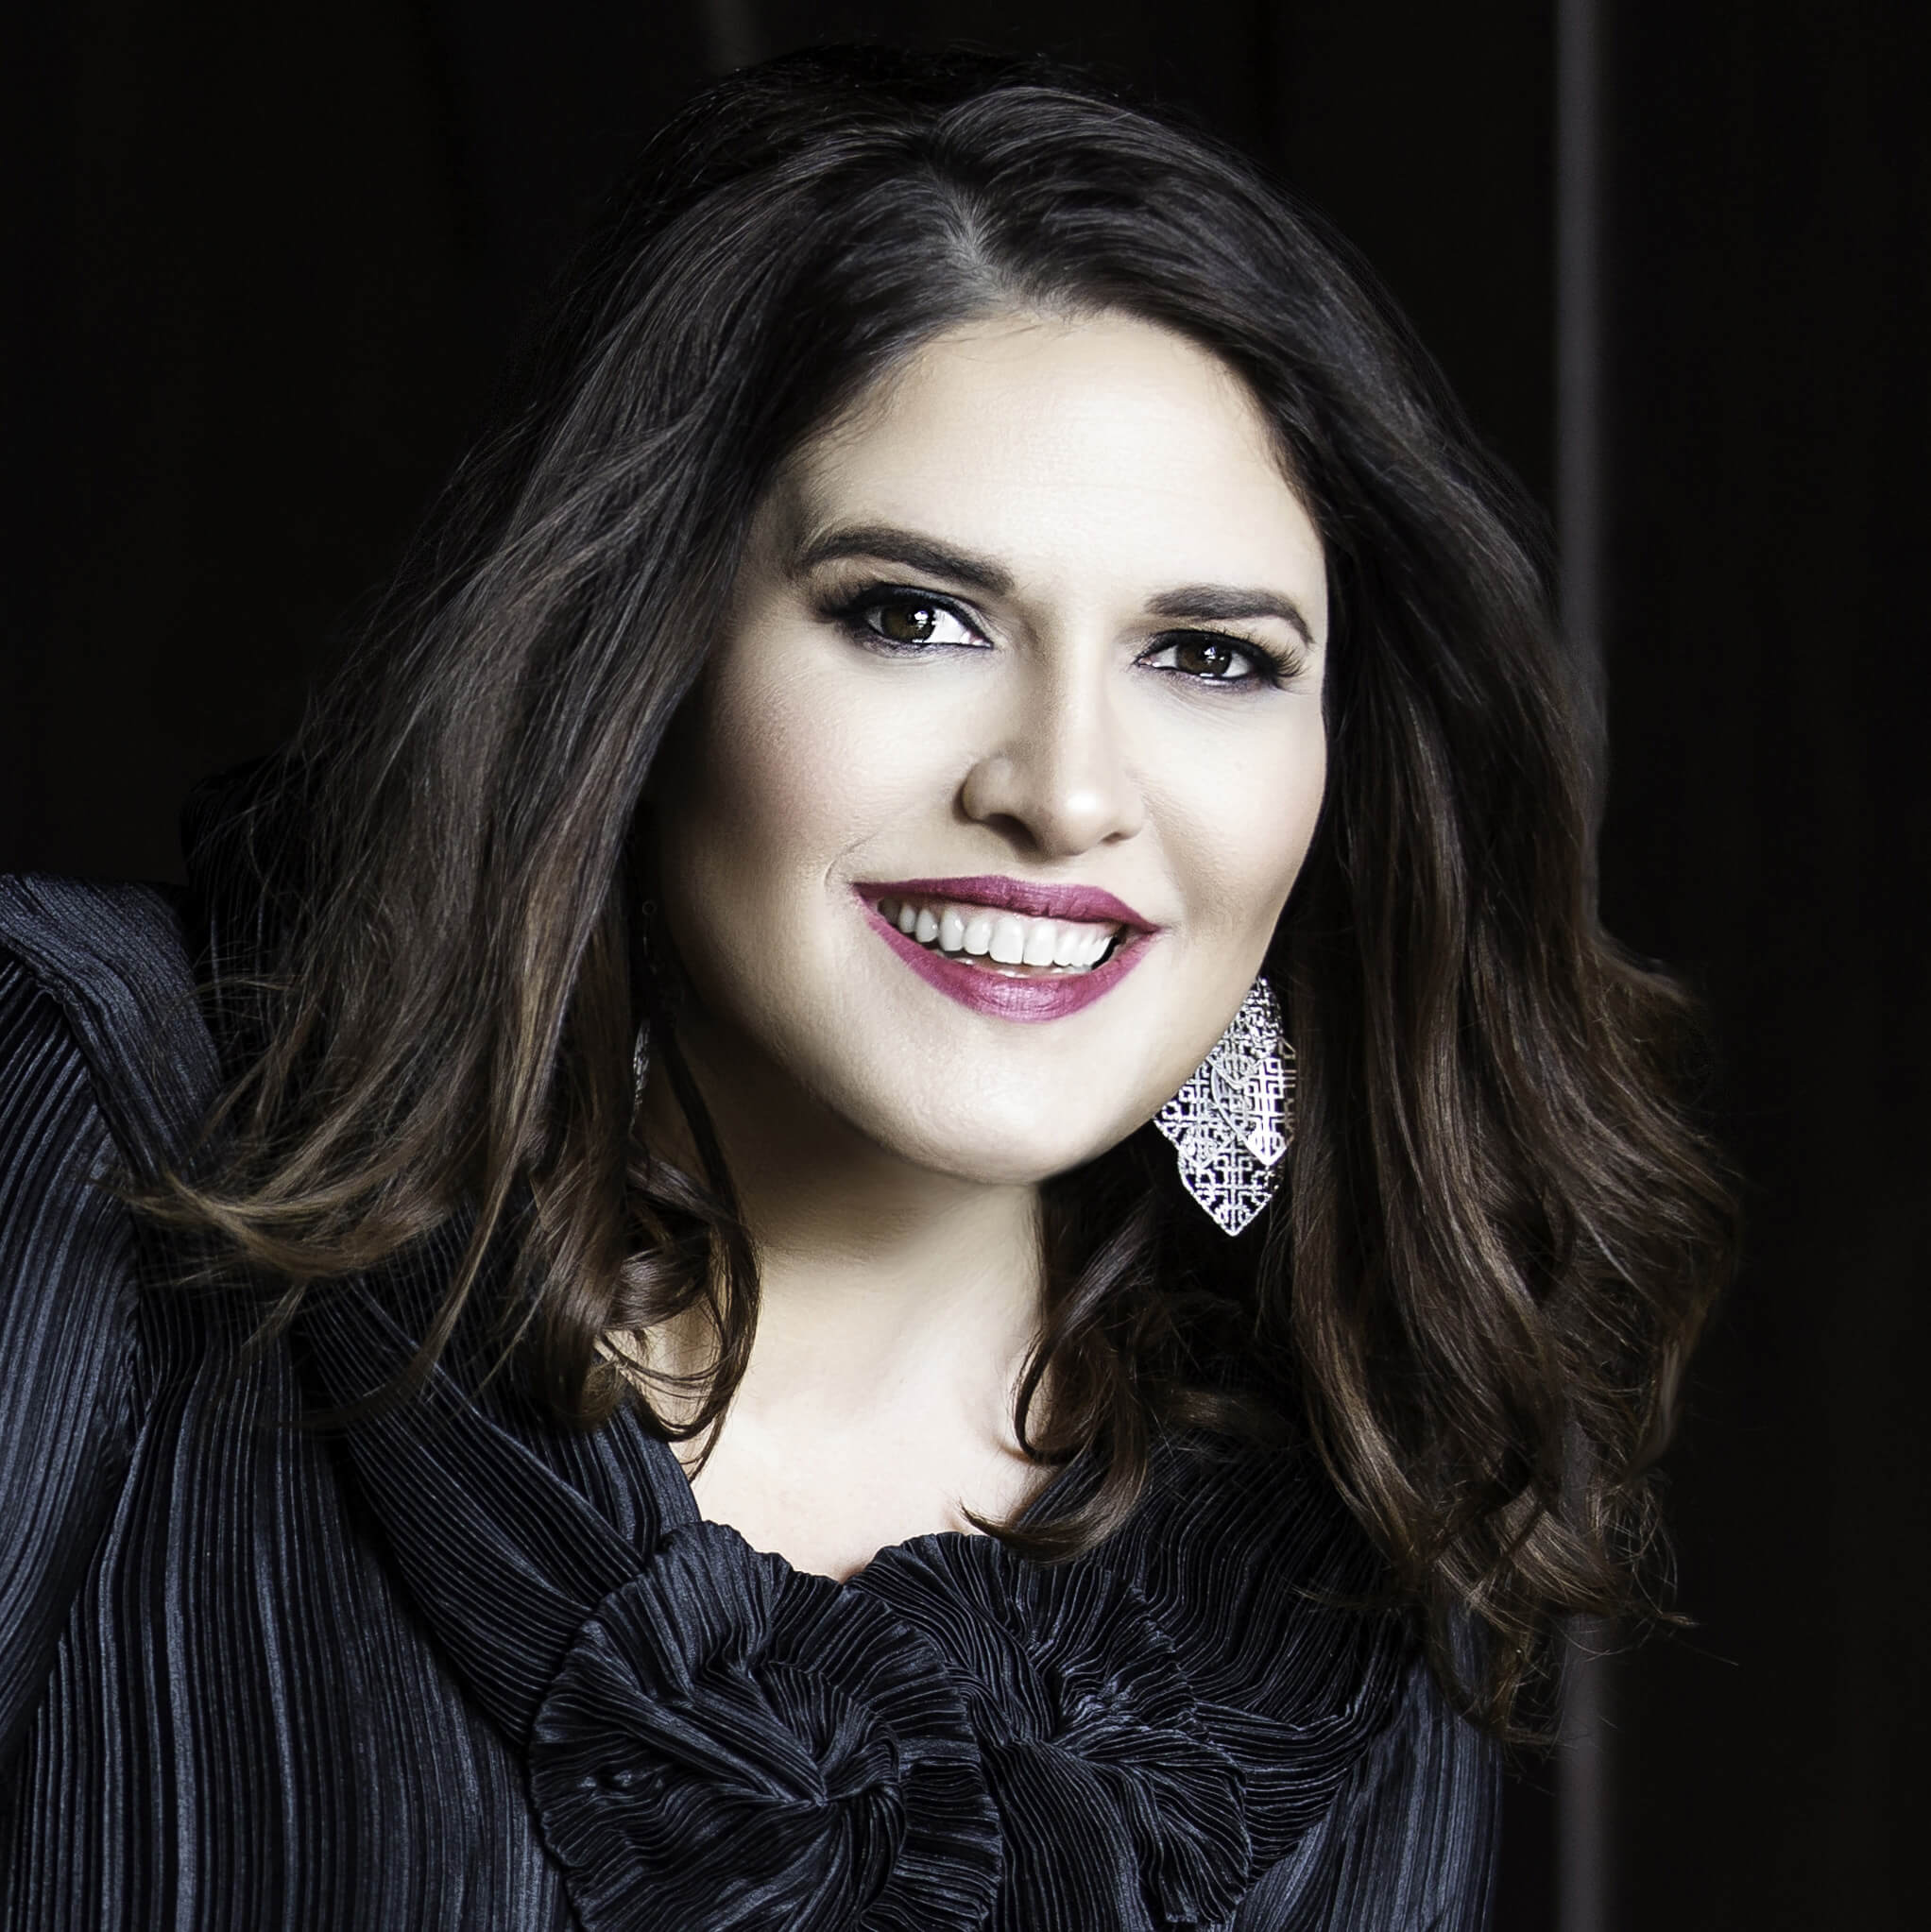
{"x":1211,"y":657}
{"x":911,"y":620}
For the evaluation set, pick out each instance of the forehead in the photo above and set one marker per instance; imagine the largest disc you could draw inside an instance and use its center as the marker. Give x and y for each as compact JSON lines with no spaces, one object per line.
{"x":1066,"y":447}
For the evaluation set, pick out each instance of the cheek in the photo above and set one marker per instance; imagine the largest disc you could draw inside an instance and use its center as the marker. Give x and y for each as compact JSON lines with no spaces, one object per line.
{"x":787,"y":772}
{"x":1242,"y":824}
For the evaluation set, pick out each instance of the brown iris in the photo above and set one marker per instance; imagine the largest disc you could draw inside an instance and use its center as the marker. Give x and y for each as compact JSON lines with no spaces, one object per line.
{"x":906,"y":622}
{"x":1200,"y":656}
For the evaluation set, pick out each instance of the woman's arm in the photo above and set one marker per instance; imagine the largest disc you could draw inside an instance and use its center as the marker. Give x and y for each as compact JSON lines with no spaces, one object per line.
{"x":67,"y":1275}
{"x":1408,"y":1845}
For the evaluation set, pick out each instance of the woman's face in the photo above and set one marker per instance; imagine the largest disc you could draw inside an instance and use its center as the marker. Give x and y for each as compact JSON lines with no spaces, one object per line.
{"x":1025,"y":657}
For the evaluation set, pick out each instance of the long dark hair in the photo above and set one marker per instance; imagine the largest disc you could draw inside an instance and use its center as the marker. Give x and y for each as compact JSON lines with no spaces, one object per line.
{"x":1502,"y":1230}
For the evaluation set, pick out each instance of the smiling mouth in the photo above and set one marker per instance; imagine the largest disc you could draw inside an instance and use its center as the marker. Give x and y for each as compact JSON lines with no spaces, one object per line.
{"x":1008,"y":945}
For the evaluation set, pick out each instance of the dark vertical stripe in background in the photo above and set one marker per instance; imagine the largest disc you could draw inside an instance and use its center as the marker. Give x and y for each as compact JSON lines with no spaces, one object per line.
{"x":1768,"y":312}
{"x":262,"y":263}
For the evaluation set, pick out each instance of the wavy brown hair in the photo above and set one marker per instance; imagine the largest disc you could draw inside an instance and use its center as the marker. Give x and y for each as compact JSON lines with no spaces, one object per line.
{"x":1502,"y":1229}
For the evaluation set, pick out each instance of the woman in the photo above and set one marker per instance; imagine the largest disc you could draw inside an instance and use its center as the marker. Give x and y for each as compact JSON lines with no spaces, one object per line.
{"x":896,"y":1181}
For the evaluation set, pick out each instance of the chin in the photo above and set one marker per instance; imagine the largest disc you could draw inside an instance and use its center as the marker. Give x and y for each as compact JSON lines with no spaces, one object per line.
{"x":1019,"y":1150}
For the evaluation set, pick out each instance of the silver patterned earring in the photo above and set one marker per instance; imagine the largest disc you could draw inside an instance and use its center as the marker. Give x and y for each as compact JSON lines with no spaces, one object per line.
{"x":1232,"y":1120}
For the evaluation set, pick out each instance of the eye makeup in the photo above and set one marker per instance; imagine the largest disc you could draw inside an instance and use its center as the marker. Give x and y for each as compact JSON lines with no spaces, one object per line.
{"x":920,"y":615}
{"x":899,"y":619}
{"x":1270,"y":667}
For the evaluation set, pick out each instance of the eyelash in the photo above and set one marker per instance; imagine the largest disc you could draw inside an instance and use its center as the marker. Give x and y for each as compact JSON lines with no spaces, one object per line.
{"x":1271,"y":667}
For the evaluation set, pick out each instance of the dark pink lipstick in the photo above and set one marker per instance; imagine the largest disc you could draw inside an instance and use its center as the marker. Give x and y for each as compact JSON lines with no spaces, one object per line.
{"x":1006,"y":995}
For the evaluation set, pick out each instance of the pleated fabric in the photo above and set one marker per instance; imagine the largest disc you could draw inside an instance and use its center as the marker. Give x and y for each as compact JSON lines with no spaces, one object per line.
{"x":459,"y":1668}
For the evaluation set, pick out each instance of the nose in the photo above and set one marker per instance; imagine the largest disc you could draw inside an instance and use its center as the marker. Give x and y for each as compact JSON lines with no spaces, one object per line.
{"x":1057,"y":781}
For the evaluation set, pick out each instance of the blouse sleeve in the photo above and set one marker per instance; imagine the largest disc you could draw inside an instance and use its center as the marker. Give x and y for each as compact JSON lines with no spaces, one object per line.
{"x":67,"y":1274}
{"x":1408,"y":1845}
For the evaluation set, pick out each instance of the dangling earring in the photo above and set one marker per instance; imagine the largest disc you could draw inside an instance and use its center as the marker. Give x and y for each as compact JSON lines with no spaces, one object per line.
{"x":1232,"y":1120}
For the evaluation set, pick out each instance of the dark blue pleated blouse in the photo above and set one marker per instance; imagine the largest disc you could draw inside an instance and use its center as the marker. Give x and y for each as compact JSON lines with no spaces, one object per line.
{"x":459,"y":1668}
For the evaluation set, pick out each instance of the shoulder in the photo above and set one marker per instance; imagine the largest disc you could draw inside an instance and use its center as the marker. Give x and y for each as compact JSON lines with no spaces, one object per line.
{"x":108,"y":969}
{"x":1411,"y":1838}
{"x":93,"y":989}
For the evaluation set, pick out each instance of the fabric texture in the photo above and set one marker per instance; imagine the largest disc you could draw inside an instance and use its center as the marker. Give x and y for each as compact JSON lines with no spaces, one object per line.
{"x":457,"y":1666}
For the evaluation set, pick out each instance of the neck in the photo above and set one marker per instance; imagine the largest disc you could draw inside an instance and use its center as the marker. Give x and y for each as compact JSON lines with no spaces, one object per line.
{"x":885,"y":1289}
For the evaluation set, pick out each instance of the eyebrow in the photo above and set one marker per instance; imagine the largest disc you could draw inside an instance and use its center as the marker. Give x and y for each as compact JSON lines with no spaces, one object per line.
{"x":883,"y":542}
{"x":1218,"y":604}
{"x":887,"y":545}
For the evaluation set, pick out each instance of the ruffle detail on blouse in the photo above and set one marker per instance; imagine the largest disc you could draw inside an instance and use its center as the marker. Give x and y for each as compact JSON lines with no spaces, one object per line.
{"x":1252,"y":1565}
{"x":1121,"y":1813}
{"x":731,"y":1743}
{"x":957,"y":1738}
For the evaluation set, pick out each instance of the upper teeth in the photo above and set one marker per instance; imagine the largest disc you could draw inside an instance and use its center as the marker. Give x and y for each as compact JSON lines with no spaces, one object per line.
{"x":1005,"y":938}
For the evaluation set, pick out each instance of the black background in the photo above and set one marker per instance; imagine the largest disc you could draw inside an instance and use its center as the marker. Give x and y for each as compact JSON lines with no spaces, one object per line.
{"x":265,"y":261}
